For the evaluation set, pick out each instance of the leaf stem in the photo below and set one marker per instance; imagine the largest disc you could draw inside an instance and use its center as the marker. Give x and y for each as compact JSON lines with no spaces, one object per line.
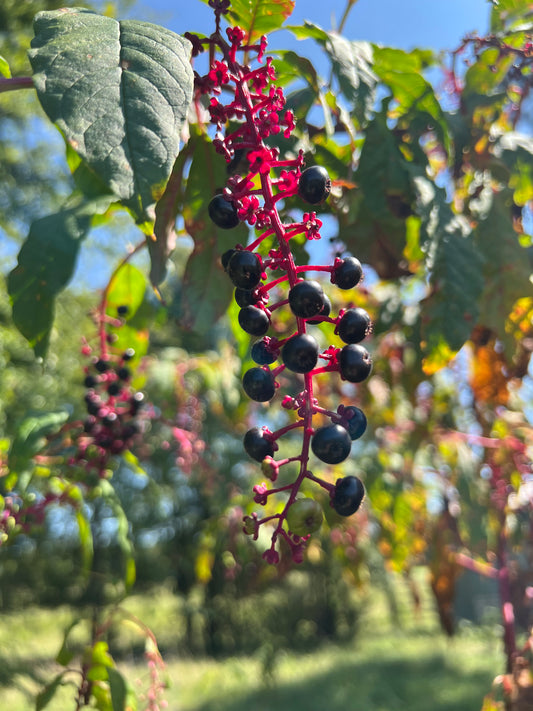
{"x":14,"y":83}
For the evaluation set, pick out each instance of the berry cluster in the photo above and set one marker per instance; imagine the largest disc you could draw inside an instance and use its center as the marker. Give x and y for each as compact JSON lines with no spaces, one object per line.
{"x":113,"y":407}
{"x":256,"y":111}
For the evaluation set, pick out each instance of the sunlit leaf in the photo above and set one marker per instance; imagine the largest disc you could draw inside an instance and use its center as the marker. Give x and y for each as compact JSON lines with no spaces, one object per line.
{"x":259,"y":17}
{"x":4,"y":68}
{"x":31,"y":436}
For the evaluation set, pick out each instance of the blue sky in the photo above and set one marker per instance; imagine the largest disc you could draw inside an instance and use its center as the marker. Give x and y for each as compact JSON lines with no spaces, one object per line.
{"x":436,"y":24}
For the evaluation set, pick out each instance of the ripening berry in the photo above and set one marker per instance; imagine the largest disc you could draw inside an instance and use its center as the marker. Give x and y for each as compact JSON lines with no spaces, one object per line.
{"x":348,"y":495}
{"x":300,"y":353}
{"x":244,"y":269}
{"x":306,"y":299}
{"x":257,"y":445}
{"x":223,"y":212}
{"x":261,"y":353}
{"x":354,"y":325}
{"x":355,"y":363}
{"x":348,"y":273}
{"x":314,"y":185}
{"x":259,"y":384}
{"x":355,"y":420}
{"x":331,"y":444}
{"x":305,"y":516}
{"x":102,"y":366}
{"x":254,"y":321}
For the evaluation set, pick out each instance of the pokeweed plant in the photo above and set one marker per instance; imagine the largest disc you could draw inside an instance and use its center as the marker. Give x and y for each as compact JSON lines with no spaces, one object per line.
{"x":252,"y":113}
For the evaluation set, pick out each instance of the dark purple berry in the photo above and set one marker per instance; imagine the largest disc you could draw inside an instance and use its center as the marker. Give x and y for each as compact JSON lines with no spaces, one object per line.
{"x":354,"y":325}
{"x":245,"y":297}
{"x":136,"y":402}
{"x":110,"y":419}
{"x":113,"y":389}
{"x":314,"y":185}
{"x":128,"y":354}
{"x":347,"y":495}
{"x":254,"y":321}
{"x":325,"y":312}
{"x":331,"y":444}
{"x":300,"y":353}
{"x":257,"y":445}
{"x":348,"y":273}
{"x":122,"y":310}
{"x":244,"y":269}
{"x":223,"y":213}
{"x":259,"y":384}
{"x":124,"y":373}
{"x":306,"y":299}
{"x":226,"y":257}
{"x":89,"y":424}
{"x":262,"y":354}
{"x":90,"y":381}
{"x":355,"y":363}
{"x":354,"y":420}
{"x":102,"y":366}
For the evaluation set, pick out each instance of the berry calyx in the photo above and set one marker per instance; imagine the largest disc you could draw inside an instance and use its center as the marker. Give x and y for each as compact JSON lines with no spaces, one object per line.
{"x":331,"y":444}
{"x":306,"y":299}
{"x":223,"y":213}
{"x":244,"y":269}
{"x":347,"y":495}
{"x":355,"y":363}
{"x":354,"y":325}
{"x":300,"y":353}
{"x":304,"y":517}
{"x":347,"y":273}
{"x":355,"y":421}
{"x":259,"y":384}
{"x":314,"y":185}
{"x":257,"y":445}
{"x":254,"y":321}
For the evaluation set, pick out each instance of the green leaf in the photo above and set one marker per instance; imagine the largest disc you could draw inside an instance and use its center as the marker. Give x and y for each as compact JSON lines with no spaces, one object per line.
{"x":4,"y":68}
{"x":515,"y":150}
{"x":308,"y":31}
{"x":401,"y":72}
{"x":206,"y":289}
{"x":118,"y":689}
{"x":86,"y":538}
{"x":506,"y":12}
{"x":66,"y":654}
{"x":123,"y":532}
{"x":47,"y":694}
{"x":126,"y":288}
{"x":506,"y":269}
{"x":31,"y":435}
{"x":456,"y":281}
{"x":45,"y":266}
{"x":119,"y":92}
{"x":259,"y":17}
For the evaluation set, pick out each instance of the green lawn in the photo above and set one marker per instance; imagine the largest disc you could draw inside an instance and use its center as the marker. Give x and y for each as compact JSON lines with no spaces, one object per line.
{"x":388,"y":667}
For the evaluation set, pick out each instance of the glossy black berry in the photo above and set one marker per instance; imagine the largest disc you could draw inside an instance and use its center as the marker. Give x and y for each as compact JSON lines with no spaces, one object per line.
{"x":110,"y":419}
{"x":262,"y":354}
{"x":136,"y":402}
{"x":124,"y":373}
{"x":314,"y":185}
{"x":102,"y":366}
{"x":348,"y":273}
{"x":254,"y":321}
{"x":223,"y":213}
{"x":348,"y":495}
{"x":226,"y":257}
{"x":355,"y":363}
{"x":244,"y":269}
{"x":306,"y":299}
{"x":258,"y":384}
{"x":355,"y":421}
{"x":331,"y":444}
{"x":245,"y":297}
{"x":114,"y":388}
{"x":354,"y":325}
{"x":257,"y":445}
{"x":128,"y":354}
{"x":325,"y":311}
{"x":90,"y":381}
{"x":122,"y":310}
{"x":300,"y":353}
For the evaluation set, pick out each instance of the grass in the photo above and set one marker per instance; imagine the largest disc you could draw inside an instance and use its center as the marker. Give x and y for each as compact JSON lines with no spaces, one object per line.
{"x":391,"y":666}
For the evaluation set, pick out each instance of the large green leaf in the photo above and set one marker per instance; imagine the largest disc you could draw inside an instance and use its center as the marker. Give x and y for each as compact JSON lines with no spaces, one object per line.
{"x":119,"y":92}
{"x":259,"y":17}
{"x":507,"y":12}
{"x":506,"y":268}
{"x":206,"y":289}
{"x":455,"y":277}
{"x":515,"y":150}
{"x":45,"y":266}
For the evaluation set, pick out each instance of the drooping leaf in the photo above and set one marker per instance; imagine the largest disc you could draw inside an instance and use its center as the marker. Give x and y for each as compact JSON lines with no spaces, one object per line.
{"x":308,"y":31}
{"x":46,"y":263}
{"x":454,"y":264}
{"x":4,"y":68}
{"x":123,"y":538}
{"x":119,"y":92}
{"x":85,"y":538}
{"x":66,"y":653}
{"x":47,"y":694}
{"x":506,"y":269}
{"x":118,"y":689}
{"x":30,"y":437}
{"x":259,"y":17}
{"x":206,"y":289}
